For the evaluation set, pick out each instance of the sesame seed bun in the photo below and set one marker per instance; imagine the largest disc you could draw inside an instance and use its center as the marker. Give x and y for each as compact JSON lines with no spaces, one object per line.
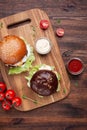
{"x":12,"y":49}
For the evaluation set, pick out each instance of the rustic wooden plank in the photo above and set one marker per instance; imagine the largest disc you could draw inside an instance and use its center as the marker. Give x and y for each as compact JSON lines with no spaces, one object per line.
{"x":57,"y":8}
{"x":56,"y":124}
{"x":17,"y":82}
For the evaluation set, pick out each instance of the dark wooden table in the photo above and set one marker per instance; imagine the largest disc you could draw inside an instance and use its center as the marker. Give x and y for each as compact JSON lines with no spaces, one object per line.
{"x":70,"y":113}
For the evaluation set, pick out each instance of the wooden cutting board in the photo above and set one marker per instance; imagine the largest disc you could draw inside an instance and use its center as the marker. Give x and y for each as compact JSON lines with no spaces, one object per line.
{"x":26,"y":24}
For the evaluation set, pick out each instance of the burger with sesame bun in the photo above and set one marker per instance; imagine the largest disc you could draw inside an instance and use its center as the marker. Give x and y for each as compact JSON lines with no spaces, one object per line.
{"x":16,"y":53}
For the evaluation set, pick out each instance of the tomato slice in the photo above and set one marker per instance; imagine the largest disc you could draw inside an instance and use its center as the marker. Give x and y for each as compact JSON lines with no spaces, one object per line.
{"x":60,"y":32}
{"x":44,"y":24}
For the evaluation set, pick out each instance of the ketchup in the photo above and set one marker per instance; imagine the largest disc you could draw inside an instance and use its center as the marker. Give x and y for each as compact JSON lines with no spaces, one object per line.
{"x":75,"y":66}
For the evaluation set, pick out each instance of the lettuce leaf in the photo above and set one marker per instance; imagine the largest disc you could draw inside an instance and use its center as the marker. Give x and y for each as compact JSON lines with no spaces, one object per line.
{"x":33,"y":70}
{"x":25,"y":67}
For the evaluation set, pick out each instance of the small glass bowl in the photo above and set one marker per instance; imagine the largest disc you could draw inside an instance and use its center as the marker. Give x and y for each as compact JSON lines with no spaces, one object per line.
{"x":74,"y":66}
{"x":41,"y":48}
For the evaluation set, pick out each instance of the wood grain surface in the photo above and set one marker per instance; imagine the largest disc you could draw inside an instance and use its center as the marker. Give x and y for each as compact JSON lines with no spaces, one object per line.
{"x":18,"y":82}
{"x":70,"y":113}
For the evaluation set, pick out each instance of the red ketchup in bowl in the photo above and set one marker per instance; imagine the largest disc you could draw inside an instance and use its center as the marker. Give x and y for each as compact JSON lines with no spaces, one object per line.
{"x":75,"y":66}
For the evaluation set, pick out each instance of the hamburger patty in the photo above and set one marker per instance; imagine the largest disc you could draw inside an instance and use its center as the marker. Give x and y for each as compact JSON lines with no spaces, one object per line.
{"x":44,"y":82}
{"x":12,"y":49}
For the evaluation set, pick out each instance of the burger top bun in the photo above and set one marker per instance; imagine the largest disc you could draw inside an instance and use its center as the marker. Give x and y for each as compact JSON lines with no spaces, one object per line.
{"x":12,"y":49}
{"x":44,"y":82}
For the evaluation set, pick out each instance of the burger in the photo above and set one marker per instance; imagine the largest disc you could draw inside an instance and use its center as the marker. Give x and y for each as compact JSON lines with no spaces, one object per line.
{"x":16,"y":53}
{"x":43,"y":80}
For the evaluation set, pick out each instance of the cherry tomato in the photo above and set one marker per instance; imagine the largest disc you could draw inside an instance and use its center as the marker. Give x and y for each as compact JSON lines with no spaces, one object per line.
{"x":10,"y":94}
{"x":44,"y":24}
{"x":2,"y":87}
{"x":2,"y":96}
{"x":60,"y":32}
{"x":16,"y":101}
{"x":6,"y":105}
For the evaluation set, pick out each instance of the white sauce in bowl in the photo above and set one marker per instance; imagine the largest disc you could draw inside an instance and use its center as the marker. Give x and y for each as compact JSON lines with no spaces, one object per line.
{"x":43,"y":46}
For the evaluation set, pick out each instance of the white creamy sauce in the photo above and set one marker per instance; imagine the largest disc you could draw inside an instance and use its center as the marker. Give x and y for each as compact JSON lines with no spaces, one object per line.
{"x":43,"y":46}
